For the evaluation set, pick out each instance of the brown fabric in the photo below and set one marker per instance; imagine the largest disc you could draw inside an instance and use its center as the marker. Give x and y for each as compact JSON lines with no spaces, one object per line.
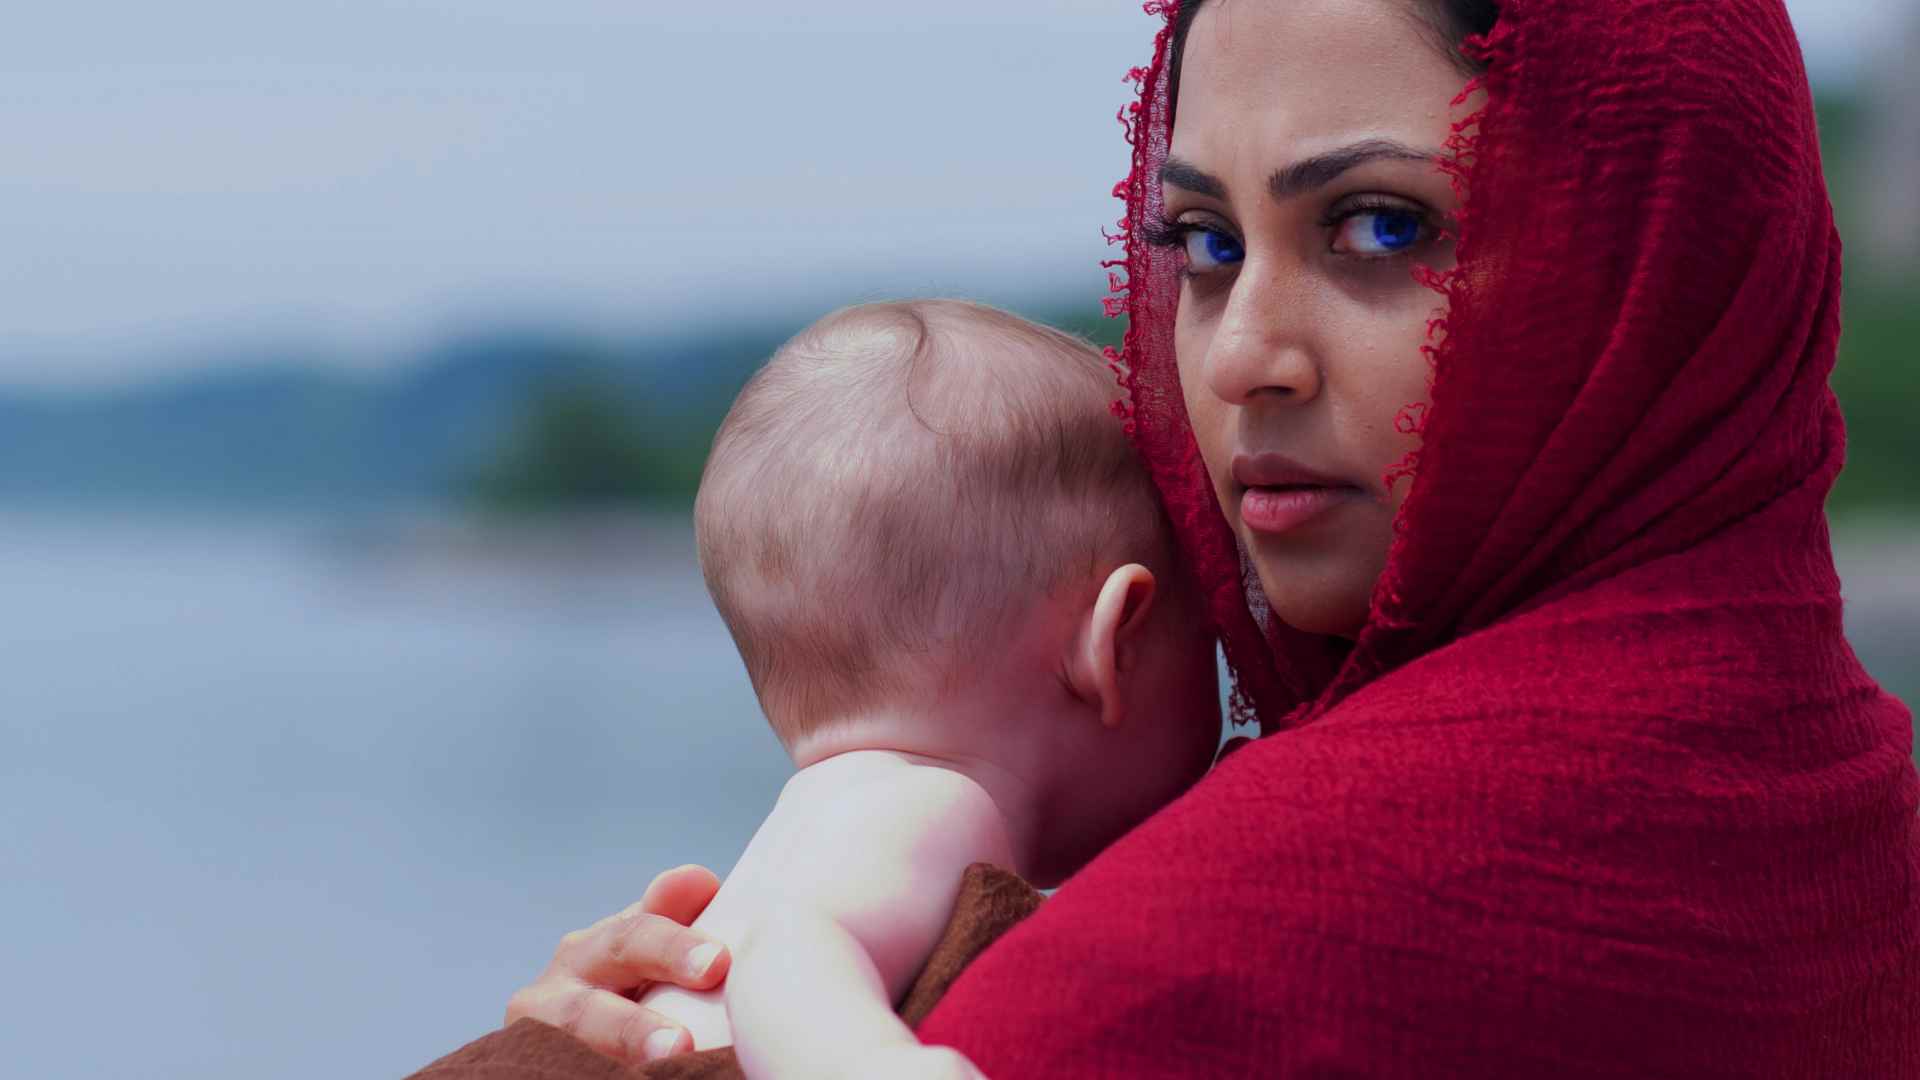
{"x":990,"y":902}
{"x":527,"y":1050}
{"x":701,"y":1065}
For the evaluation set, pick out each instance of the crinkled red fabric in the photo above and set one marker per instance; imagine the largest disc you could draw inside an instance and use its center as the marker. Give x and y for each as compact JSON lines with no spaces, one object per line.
{"x":1600,"y":790}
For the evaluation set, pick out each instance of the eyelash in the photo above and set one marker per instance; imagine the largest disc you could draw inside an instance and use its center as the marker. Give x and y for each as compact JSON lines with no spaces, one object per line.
{"x":1165,"y":232}
{"x":1374,"y":204}
{"x":1161,"y":232}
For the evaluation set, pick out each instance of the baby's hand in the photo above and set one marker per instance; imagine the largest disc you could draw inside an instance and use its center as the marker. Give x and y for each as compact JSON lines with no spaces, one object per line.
{"x":588,"y":989}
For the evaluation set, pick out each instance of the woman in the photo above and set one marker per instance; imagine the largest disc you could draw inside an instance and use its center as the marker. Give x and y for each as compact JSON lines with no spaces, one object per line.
{"x":1568,"y":767}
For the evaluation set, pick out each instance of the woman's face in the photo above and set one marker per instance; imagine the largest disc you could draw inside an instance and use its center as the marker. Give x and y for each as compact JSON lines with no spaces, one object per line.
{"x":1302,"y":188}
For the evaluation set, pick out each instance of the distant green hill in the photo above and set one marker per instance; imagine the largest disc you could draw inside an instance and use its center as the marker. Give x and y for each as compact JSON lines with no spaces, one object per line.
{"x":515,"y":421}
{"x":303,"y":436}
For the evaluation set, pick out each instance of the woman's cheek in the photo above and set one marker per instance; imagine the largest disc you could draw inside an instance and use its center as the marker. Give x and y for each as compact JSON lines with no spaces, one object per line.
{"x":1394,"y":380}
{"x":1206,"y":413}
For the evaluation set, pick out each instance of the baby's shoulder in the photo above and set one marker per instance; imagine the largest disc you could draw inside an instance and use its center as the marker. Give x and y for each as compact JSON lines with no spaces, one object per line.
{"x":879,"y":820}
{"x":932,"y":785}
{"x":916,"y":805}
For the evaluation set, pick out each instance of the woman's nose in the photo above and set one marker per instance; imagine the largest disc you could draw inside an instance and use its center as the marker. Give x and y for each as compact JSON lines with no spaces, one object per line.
{"x":1261,"y":348}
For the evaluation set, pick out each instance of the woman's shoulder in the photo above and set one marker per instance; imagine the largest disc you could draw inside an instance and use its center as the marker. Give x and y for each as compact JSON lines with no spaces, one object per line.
{"x":1457,"y":890}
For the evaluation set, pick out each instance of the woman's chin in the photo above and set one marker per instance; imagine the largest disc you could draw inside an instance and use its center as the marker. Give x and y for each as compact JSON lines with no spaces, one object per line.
{"x":1320,"y":580}
{"x":1332,"y":601}
{"x":1323,"y":621}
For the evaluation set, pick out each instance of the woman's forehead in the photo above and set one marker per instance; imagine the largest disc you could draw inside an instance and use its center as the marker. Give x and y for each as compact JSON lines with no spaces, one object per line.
{"x":1280,"y":79}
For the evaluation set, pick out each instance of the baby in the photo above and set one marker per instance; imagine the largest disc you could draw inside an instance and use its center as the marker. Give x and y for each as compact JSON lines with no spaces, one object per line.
{"x":957,"y":598}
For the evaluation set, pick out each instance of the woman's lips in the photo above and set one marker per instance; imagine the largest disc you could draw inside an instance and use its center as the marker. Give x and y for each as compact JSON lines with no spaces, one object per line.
{"x":1278,"y":510}
{"x":1281,"y":494}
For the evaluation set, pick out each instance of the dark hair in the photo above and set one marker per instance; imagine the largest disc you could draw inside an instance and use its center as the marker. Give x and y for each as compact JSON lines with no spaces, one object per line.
{"x":1452,"y":22}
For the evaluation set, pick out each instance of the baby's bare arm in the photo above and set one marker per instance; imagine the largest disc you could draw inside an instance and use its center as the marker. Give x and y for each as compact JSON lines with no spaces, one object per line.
{"x":897,"y":849}
{"x":813,"y":988}
{"x":806,"y":1001}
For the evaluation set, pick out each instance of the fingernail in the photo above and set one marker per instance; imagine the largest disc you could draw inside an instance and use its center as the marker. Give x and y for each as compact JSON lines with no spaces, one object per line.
{"x":662,"y":1043}
{"x":700,"y":959}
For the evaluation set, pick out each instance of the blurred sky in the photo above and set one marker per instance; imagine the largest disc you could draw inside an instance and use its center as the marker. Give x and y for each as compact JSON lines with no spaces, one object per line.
{"x":217,"y":178}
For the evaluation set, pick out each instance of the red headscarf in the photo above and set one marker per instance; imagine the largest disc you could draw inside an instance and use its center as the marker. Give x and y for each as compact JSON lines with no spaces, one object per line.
{"x":1600,"y":789}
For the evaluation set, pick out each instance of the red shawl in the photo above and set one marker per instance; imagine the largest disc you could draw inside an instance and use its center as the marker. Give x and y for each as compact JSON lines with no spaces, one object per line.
{"x":1600,"y":790}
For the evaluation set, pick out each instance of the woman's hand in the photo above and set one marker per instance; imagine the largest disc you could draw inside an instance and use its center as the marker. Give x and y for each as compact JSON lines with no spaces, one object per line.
{"x":596,"y":973}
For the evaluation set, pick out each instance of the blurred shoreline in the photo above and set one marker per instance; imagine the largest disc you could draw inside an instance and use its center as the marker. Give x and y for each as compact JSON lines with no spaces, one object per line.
{"x":642,"y":554}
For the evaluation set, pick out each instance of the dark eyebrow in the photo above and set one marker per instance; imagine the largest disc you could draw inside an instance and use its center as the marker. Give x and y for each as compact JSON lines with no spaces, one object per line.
{"x":1300,"y":177}
{"x":1323,"y":169}
{"x":1184,"y":174}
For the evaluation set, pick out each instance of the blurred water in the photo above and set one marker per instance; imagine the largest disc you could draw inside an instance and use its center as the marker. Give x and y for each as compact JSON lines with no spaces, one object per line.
{"x":310,"y":799}
{"x":281,"y":805}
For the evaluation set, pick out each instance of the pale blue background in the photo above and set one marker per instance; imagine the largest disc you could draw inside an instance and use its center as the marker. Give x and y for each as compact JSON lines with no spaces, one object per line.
{"x":310,"y":796}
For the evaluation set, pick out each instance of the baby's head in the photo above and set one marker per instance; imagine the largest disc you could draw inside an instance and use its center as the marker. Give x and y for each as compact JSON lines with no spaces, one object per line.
{"x":927,"y":510}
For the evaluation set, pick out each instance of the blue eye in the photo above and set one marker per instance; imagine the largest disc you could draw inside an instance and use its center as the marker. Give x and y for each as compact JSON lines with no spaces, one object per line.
{"x":1378,"y":232}
{"x":1208,"y":251}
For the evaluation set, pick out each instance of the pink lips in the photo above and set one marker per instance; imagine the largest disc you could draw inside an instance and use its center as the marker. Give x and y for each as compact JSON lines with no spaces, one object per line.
{"x":1281,"y":494}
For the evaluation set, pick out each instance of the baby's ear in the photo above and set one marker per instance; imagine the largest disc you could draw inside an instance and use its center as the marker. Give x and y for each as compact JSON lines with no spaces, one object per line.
{"x":1107,"y":638}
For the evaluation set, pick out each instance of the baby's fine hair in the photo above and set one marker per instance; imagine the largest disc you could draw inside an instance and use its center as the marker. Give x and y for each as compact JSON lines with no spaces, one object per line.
{"x":897,"y":486}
